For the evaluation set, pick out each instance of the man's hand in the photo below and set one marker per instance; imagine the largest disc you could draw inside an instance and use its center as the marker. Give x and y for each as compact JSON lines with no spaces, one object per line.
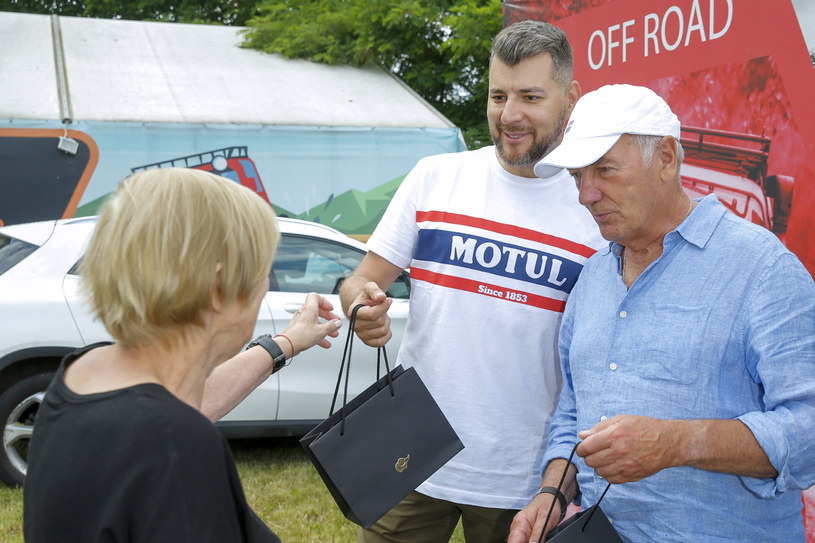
{"x":373,"y":325}
{"x":527,"y":524}
{"x":629,"y":448}
{"x":367,"y":286}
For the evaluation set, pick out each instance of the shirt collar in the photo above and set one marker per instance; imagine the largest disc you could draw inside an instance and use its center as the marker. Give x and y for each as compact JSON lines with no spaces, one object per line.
{"x":699,"y":226}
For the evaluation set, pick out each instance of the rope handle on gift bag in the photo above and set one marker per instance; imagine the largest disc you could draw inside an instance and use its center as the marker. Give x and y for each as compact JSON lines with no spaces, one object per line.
{"x":346,"y":355}
{"x":559,"y":487}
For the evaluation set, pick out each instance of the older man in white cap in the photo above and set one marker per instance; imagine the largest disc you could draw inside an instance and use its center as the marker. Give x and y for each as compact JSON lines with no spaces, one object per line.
{"x":687,"y":349}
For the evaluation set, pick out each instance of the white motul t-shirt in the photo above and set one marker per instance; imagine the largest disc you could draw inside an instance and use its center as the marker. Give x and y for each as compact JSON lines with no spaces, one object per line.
{"x":492,"y":259}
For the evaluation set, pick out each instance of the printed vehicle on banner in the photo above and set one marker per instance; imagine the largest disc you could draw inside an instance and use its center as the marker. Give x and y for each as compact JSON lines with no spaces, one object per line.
{"x":230,"y":162}
{"x":43,"y":317}
{"x":734,"y":166}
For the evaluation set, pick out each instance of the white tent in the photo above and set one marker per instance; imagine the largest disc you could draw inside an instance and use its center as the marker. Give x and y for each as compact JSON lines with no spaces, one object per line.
{"x":169,"y":72}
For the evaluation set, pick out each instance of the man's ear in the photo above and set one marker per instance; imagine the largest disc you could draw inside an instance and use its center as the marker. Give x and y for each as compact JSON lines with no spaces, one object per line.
{"x":667,"y":156}
{"x":572,"y":96}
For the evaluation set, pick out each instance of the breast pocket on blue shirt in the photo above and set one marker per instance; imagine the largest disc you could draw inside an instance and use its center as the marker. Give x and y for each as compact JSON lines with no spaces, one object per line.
{"x":671,"y":342}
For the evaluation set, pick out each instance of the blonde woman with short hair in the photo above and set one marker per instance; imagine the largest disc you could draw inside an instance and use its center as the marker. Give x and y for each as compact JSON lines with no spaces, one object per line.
{"x":124,"y":448}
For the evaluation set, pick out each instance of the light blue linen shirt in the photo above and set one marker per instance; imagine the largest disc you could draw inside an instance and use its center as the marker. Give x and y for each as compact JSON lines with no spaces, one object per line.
{"x":720,"y":326}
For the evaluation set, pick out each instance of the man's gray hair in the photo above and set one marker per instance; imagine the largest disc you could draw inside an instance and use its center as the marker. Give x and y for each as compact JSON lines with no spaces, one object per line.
{"x":527,"y":39}
{"x":648,"y":146}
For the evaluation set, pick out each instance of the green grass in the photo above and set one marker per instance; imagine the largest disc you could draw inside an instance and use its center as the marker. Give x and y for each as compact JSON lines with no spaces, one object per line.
{"x":280,"y":483}
{"x":11,"y":514}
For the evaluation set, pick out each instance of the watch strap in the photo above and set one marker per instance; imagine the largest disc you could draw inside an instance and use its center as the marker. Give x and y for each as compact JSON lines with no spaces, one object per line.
{"x":561,"y":499}
{"x":271,"y":346}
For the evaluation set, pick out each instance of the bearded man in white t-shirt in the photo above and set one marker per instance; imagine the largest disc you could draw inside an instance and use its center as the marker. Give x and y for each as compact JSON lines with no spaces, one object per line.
{"x":493,"y":253}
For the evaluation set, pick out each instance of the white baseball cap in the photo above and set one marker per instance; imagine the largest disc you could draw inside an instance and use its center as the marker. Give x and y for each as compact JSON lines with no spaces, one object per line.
{"x":599,"y":119}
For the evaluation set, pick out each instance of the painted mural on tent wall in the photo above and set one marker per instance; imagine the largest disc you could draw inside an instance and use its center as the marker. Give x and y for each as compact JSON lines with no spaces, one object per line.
{"x":340,"y":176}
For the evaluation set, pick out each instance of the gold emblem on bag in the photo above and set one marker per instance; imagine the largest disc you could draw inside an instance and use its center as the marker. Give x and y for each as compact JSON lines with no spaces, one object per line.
{"x":401,"y":464}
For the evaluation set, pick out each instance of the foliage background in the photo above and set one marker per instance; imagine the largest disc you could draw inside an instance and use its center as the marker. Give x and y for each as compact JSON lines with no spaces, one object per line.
{"x":228,"y":12}
{"x":440,"y":48}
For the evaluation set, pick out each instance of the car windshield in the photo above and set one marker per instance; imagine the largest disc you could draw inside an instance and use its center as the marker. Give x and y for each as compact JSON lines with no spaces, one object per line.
{"x":12,"y":251}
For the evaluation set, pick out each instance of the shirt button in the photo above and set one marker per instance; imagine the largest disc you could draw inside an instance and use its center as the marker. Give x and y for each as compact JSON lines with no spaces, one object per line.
{"x":613,"y":366}
{"x":623,"y":314}
{"x":603,"y":418}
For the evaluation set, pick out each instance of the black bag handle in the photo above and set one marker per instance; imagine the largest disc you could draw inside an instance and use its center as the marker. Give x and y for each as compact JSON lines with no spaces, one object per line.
{"x":560,"y":485}
{"x":346,"y":355}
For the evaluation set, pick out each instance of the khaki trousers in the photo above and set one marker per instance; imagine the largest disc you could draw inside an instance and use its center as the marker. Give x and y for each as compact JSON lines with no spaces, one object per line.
{"x":422,"y":519}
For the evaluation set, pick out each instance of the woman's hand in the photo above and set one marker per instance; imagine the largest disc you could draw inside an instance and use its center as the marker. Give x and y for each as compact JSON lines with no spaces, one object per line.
{"x":311,"y":325}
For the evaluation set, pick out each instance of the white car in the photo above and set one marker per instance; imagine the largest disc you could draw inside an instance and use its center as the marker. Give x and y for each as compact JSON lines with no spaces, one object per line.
{"x":43,"y":317}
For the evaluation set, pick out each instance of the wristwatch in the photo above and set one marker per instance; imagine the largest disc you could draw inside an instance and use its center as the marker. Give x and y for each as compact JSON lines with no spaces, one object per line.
{"x":561,"y":499}
{"x":272,"y":348}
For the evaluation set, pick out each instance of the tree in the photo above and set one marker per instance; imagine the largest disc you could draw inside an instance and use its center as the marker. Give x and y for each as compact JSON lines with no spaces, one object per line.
{"x":438,"y":47}
{"x":226,"y":12}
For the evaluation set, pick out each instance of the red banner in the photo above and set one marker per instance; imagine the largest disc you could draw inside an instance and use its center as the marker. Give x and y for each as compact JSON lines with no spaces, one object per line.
{"x":739,"y":76}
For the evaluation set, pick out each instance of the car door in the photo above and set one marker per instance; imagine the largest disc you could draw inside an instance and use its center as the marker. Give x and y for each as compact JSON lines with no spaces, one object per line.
{"x":306,"y":264}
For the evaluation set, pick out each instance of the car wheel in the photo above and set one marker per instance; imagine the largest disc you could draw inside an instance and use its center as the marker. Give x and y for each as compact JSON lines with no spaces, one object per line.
{"x":18,"y":410}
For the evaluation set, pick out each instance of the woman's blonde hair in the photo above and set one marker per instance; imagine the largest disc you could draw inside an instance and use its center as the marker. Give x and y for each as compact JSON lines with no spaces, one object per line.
{"x":165,"y":242}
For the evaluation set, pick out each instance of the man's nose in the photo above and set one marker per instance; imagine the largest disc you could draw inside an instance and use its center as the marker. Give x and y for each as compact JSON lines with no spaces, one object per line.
{"x":588,"y":193}
{"x":512,"y":112}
